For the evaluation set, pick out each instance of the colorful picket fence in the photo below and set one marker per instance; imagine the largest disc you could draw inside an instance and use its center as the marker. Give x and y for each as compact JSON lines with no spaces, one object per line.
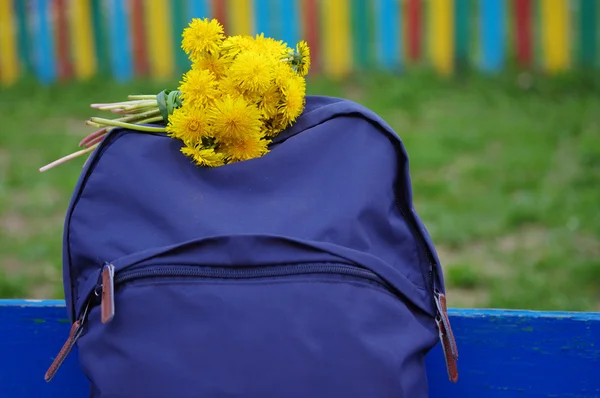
{"x":56,"y":40}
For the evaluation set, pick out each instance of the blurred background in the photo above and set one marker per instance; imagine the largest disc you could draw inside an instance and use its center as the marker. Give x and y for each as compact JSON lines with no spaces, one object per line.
{"x":497,"y":102}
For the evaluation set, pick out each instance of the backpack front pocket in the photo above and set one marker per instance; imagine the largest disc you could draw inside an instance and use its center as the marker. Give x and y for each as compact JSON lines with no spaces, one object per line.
{"x":300,"y":330}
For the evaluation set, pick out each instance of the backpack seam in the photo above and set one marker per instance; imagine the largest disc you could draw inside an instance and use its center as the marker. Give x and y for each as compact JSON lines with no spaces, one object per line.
{"x":84,"y":178}
{"x":400,"y":199}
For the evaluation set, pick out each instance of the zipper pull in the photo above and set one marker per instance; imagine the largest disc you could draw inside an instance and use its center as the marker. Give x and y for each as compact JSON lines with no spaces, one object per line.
{"x":107,"y":303}
{"x":446,"y":336}
{"x":76,"y":330}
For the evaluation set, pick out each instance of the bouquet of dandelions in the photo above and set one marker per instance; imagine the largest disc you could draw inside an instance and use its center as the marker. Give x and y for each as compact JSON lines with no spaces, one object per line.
{"x":240,"y":92}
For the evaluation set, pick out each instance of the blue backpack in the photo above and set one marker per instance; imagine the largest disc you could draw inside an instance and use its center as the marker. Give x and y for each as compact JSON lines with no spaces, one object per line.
{"x":303,"y":273}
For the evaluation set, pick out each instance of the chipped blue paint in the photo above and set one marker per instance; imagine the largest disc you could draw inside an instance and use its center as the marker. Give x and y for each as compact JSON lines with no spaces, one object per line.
{"x":502,"y":353}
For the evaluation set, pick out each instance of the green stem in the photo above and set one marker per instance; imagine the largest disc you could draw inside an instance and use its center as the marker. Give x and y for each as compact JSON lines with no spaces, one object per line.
{"x":124,"y":105}
{"x":136,"y":110}
{"x":110,"y":122}
{"x":141,"y":115}
{"x":140,"y":104}
{"x":90,"y":123}
{"x":141,"y":97}
{"x":151,"y":120}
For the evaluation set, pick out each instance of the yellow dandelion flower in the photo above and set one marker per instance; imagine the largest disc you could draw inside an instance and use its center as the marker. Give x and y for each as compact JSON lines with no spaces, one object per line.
{"x":233,"y":118}
{"x":283,"y":72}
{"x":188,"y":124}
{"x":302,"y":58}
{"x":271,"y":47}
{"x":268,"y":102}
{"x":202,"y":36}
{"x":274,"y":126}
{"x":214,"y":63}
{"x":253,"y":71}
{"x":250,"y":147}
{"x":198,"y":87}
{"x":251,"y":97}
{"x":234,"y":45}
{"x":228,"y":86}
{"x":293,"y":99}
{"x":203,"y":156}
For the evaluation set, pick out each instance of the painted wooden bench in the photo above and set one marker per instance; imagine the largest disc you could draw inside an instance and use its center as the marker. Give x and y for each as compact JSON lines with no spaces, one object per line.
{"x":502,"y":354}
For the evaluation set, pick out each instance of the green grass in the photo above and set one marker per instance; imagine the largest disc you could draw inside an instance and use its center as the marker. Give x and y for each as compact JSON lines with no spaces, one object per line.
{"x":506,"y":179}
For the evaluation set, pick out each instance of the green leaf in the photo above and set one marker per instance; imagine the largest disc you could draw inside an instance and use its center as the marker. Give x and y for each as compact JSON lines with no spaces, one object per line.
{"x":168,"y":101}
{"x":161,"y":98}
{"x":173,"y":101}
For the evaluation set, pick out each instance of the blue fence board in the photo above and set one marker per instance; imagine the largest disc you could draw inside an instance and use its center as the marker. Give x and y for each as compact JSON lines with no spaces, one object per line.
{"x":389,"y":33}
{"x":263,"y":20}
{"x":121,"y":48}
{"x":198,"y":9}
{"x":502,"y":354}
{"x":289,"y":17}
{"x":493,"y":44}
{"x":44,"y":62}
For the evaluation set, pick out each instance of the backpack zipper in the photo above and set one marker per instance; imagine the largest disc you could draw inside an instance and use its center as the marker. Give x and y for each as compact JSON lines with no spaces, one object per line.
{"x":245,"y":273}
{"x":110,"y":280}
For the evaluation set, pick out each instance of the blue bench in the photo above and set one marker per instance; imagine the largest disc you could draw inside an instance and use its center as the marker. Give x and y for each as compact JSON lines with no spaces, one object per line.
{"x":502,"y":354}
